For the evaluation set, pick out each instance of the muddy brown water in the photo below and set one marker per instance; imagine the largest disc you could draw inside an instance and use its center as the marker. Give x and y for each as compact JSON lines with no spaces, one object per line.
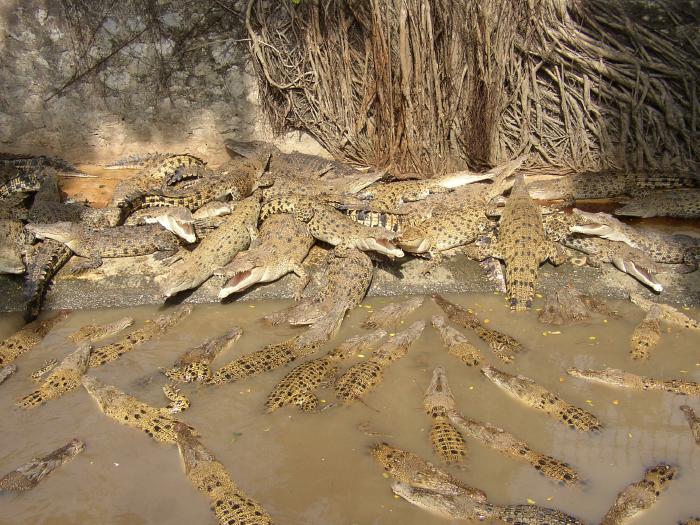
{"x":314,"y":469}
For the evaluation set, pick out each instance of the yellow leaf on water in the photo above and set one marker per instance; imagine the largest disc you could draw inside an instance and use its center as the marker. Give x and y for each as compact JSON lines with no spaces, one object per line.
{"x":616,"y":402}
{"x":589,"y":402}
{"x":531,"y":501}
{"x":561,"y":379}
{"x":392,"y":334}
{"x":550,"y":498}
{"x":605,"y":321}
{"x":251,"y":306}
{"x":683,"y":371}
{"x":487,"y":321}
{"x":471,"y":388}
{"x":557,"y":332}
{"x":385,"y":475}
{"x":360,"y":355}
{"x":629,"y":434}
{"x":592,"y":337}
{"x":538,"y":295}
{"x":544,"y":334}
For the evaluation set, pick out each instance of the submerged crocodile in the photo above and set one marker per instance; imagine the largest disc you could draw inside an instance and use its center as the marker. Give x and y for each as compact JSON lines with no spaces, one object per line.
{"x":639,"y":496}
{"x":93,"y":333}
{"x":150,"y":329}
{"x":127,"y":410}
{"x":28,"y":337}
{"x":7,"y":371}
{"x":119,"y":241}
{"x":30,"y":474}
{"x":193,"y":365}
{"x":40,"y":373}
{"x":359,"y":379}
{"x":693,"y":422}
{"x":668,"y":313}
{"x":229,"y":503}
{"x":216,"y":249}
{"x":566,"y":305}
{"x":298,"y":386}
{"x":621,"y":379}
{"x":447,"y":441}
{"x":668,"y":203}
{"x":646,"y":335}
{"x":457,"y":345}
{"x":284,"y":242}
{"x":390,"y":315}
{"x":533,"y":395}
{"x":44,"y":260}
{"x":502,"y":345}
{"x":64,"y":378}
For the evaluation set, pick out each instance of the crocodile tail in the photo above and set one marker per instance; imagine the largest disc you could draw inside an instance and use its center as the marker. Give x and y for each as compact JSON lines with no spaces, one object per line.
{"x":46,"y":260}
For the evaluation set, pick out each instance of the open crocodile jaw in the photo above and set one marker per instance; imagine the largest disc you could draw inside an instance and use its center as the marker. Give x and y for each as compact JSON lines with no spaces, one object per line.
{"x":241,"y":281}
{"x":383,"y":246}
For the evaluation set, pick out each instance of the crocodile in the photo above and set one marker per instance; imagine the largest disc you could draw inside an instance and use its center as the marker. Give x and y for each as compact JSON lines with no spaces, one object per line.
{"x":44,"y":260}
{"x":284,"y":242}
{"x":684,"y":204}
{"x":533,"y":395}
{"x":606,"y":185}
{"x":503,"y":346}
{"x":359,"y":379}
{"x":620,"y":379}
{"x":298,"y":386}
{"x":138,"y":161}
{"x":691,"y":521}
{"x":208,"y":475}
{"x":394,"y":222}
{"x":414,"y":471}
{"x":448,"y":443}
{"x":176,"y":219}
{"x":97,"y":332}
{"x":390,"y":315}
{"x":62,"y":379}
{"x":151,"y":329}
{"x":338,"y":190}
{"x":457,"y":345}
{"x":566,"y":305}
{"x":28,"y":162}
{"x":29,"y":336}
{"x":30,"y":474}
{"x":646,"y":335}
{"x":639,"y":496}
{"x":24,"y":174}
{"x":11,"y":248}
{"x":464,"y":508}
{"x":668,"y":313}
{"x":693,"y":422}
{"x":193,"y":365}
{"x":6,"y":372}
{"x":119,"y":241}
{"x":40,"y":373}
{"x":158,"y":423}
{"x":216,"y":249}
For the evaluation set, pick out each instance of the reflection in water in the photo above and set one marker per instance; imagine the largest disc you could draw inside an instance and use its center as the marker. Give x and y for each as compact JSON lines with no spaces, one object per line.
{"x":314,"y":468}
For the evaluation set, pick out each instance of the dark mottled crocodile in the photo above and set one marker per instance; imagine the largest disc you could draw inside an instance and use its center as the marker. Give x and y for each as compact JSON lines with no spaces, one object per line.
{"x":29,"y":336}
{"x":447,"y":441}
{"x":138,"y":161}
{"x":298,"y":386}
{"x":502,"y":345}
{"x":693,"y":422}
{"x":216,"y":250}
{"x":533,"y":395}
{"x":567,"y":305}
{"x":30,"y":162}
{"x":457,"y":345}
{"x":150,"y":329}
{"x":93,"y":333}
{"x":30,"y":474}
{"x":24,"y":173}
{"x":639,"y":496}
{"x":390,"y":315}
{"x":606,"y":185}
{"x":284,"y":242}
{"x":64,"y":378}
{"x":44,"y":260}
{"x":208,"y":475}
{"x":620,"y":379}
{"x":359,"y":379}
{"x":646,"y":335}
{"x":7,"y":371}
{"x":668,"y":203}
{"x":193,"y":365}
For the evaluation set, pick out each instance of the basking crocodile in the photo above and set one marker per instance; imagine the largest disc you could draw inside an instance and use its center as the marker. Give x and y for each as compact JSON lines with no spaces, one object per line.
{"x":621,"y":379}
{"x":40,"y":373}
{"x":693,"y":422}
{"x":464,"y":508}
{"x":216,"y":249}
{"x":668,"y":203}
{"x":410,"y":469}
{"x":566,"y":305}
{"x":230,"y":504}
{"x":139,"y":161}
{"x":457,"y":345}
{"x":284,"y":242}
{"x":64,"y":378}
{"x":149,"y":330}
{"x":25,"y":173}
{"x":639,"y":496}
{"x":668,"y":312}
{"x":31,"y":162}
{"x":502,"y":345}
{"x":447,"y":441}
{"x":193,"y":365}
{"x":392,"y":221}
{"x":93,"y":333}
{"x":605,"y":185}
{"x":30,"y":474}
{"x":7,"y":371}
{"x":390,"y":315}
{"x":13,"y":239}
{"x":359,"y":379}
{"x":533,"y":395}
{"x":119,"y":241}
{"x":127,"y":410}
{"x":176,"y":219}
{"x":299,"y":385}
{"x":44,"y":260}
{"x":646,"y":335}
{"x":28,"y":337}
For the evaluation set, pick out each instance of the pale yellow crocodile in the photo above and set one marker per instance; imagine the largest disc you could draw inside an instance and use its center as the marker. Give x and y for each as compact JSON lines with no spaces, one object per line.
{"x":646,"y":334}
{"x":533,"y":395}
{"x":390,"y":315}
{"x":693,"y":422}
{"x":6,"y":372}
{"x":621,"y":379}
{"x":669,"y":314}
{"x":447,"y":441}
{"x":457,"y":345}
{"x":93,"y":333}
{"x":29,"y":336}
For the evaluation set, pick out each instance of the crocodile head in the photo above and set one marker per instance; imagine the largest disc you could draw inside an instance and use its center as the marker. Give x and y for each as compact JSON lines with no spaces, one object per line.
{"x":438,"y":398}
{"x":415,"y":240}
{"x":601,"y":225}
{"x":380,"y":244}
{"x":444,"y":505}
{"x":63,"y":232}
{"x":608,"y":376}
{"x":641,"y":209}
{"x":245,"y":276}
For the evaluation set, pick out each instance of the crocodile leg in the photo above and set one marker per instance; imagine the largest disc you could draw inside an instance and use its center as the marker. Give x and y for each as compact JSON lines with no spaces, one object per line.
{"x":90,"y":264}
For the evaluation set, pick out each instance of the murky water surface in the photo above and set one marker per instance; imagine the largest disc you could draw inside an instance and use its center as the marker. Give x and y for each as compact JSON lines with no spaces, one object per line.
{"x":314,"y":469}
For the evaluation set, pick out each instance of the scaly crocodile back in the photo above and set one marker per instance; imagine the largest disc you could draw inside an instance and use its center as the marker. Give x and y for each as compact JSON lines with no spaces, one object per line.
{"x":298,"y":385}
